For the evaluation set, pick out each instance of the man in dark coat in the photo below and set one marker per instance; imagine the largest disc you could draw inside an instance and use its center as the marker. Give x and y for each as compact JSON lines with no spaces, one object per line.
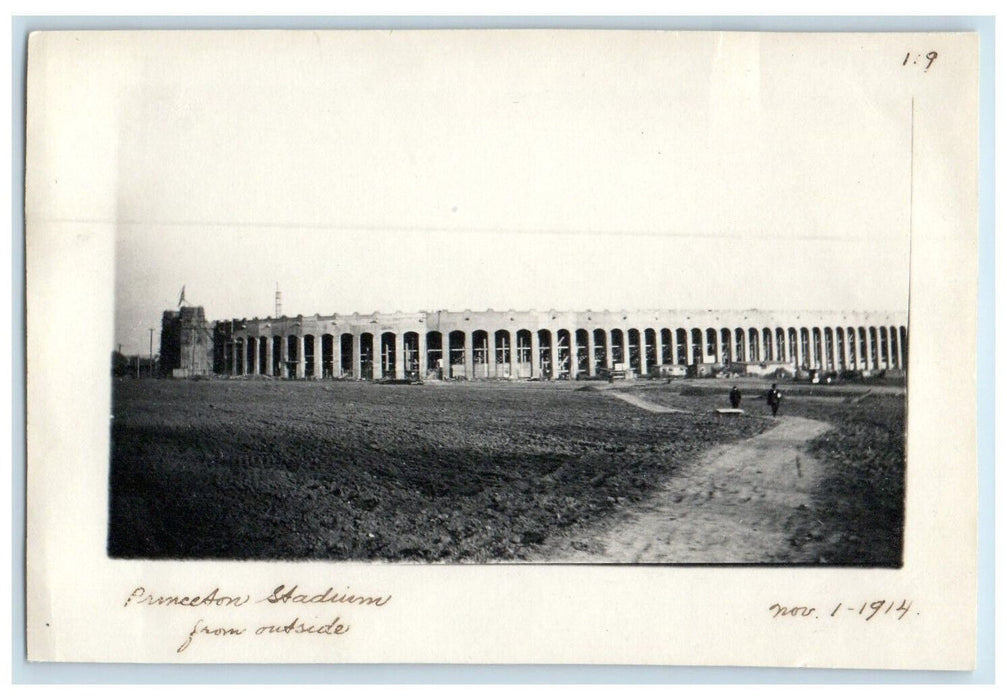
{"x":773,"y":399}
{"x":735,"y":396}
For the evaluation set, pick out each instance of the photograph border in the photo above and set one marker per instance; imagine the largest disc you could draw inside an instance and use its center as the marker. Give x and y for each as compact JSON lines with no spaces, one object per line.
{"x":23,"y":672}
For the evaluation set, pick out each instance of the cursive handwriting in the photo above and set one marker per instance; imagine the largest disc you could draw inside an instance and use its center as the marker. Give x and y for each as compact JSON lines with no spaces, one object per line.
{"x":139,"y":596}
{"x":866,"y":610}
{"x":200,"y":628}
{"x":283,"y":595}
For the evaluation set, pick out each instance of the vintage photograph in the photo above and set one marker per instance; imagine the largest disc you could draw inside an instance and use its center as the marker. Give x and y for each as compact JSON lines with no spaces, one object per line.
{"x":517,"y":298}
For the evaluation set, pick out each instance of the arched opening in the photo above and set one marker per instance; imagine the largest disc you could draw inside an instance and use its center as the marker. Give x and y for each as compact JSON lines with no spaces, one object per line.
{"x":480,"y":354}
{"x":411,"y":343}
{"x":904,"y":344}
{"x":582,"y":365}
{"x":564,"y":355}
{"x":816,"y":347}
{"x":239,"y":355}
{"x":250,"y":358}
{"x":293,"y":353}
{"x":681,"y":346}
{"x":435,"y":355}
{"x":544,"y":359}
{"x":633,"y":338}
{"x":726,"y":356}
{"x":711,"y":345}
{"x":805,"y":349}
{"x":841,"y":349}
{"x":309,"y":356}
{"x":767,"y":345}
{"x":600,"y":348}
{"x":262,"y":344}
{"x":522,"y":346}
{"x":456,"y":354}
{"x":346,"y":368}
{"x":278,"y":366}
{"x":873,"y":332}
{"x":617,"y":346}
{"x":865,"y":358}
{"x":781,"y":345}
{"x":504,"y":352}
{"x":367,"y":356}
{"x":883,"y":344}
{"x":697,"y":345}
{"x":739,"y":345}
{"x":667,"y":347}
{"x":753,"y":346}
{"x":388,"y":352}
{"x":792,"y":342}
{"x":830,"y":360}
{"x":328,"y":354}
{"x":650,"y":348}
{"x":851,"y":348}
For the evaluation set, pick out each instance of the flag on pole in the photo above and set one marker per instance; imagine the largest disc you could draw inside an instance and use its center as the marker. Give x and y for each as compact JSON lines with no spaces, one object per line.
{"x":181,"y":296}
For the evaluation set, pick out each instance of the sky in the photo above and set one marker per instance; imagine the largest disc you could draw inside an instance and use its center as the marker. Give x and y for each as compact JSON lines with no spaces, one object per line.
{"x":392,"y":171}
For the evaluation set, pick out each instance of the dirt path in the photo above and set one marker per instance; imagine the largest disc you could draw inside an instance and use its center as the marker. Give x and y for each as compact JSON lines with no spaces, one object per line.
{"x":643,"y":403}
{"x":738,"y":504}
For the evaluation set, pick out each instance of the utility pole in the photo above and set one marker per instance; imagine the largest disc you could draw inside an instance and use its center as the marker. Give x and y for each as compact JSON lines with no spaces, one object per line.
{"x":150,"y":358}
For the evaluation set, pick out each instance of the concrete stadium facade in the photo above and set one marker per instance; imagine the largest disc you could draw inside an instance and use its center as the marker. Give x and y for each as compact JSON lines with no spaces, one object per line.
{"x":553,"y":344}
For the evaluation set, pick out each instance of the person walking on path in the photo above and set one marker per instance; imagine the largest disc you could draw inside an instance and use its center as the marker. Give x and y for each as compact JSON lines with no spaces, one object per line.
{"x":735,"y":396}
{"x":773,"y":399}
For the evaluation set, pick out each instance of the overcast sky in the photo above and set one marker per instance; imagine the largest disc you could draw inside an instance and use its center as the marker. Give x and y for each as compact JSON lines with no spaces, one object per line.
{"x":404,"y":171}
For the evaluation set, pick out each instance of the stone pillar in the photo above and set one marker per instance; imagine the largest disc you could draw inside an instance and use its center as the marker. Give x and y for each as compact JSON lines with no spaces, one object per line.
{"x":269,"y":356}
{"x":317,"y":364}
{"x":234,"y":357}
{"x":535,"y":369}
{"x":835,"y":351}
{"x":357,"y":367}
{"x":400,"y":356}
{"x":512,"y":345}
{"x":625,"y":348}
{"x":491,"y":339}
{"x":284,"y":355}
{"x":896,"y":349}
{"x":590,"y":352}
{"x":300,"y":356}
{"x":608,"y":348}
{"x":421,"y":348}
{"x":336,"y":355}
{"x":643,"y":352}
{"x":658,"y":347}
{"x":574,"y":355}
{"x":690,"y":355}
{"x":468,"y":355}
{"x":553,"y":353}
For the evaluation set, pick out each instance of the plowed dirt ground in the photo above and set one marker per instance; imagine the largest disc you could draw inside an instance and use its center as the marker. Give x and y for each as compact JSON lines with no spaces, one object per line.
{"x":480,"y":472}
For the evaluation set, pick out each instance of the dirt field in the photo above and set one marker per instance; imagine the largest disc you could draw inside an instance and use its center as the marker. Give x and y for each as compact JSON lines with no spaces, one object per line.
{"x":480,"y":472}
{"x":343,"y":470}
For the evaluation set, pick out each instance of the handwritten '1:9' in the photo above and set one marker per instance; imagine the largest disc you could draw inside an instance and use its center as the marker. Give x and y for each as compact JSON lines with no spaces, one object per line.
{"x":931,"y":57}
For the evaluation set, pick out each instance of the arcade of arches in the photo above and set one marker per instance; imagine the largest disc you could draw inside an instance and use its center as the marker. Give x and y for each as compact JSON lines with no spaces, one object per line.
{"x":552,"y":344}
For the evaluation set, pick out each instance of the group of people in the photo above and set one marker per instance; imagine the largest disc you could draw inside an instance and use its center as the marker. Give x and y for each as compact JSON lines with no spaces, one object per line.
{"x":772,"y":398}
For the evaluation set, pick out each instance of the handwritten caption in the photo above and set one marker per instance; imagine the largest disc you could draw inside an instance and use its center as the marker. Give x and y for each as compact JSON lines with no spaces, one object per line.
{"x":864,"y":610}
{"x":310,"y":613}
